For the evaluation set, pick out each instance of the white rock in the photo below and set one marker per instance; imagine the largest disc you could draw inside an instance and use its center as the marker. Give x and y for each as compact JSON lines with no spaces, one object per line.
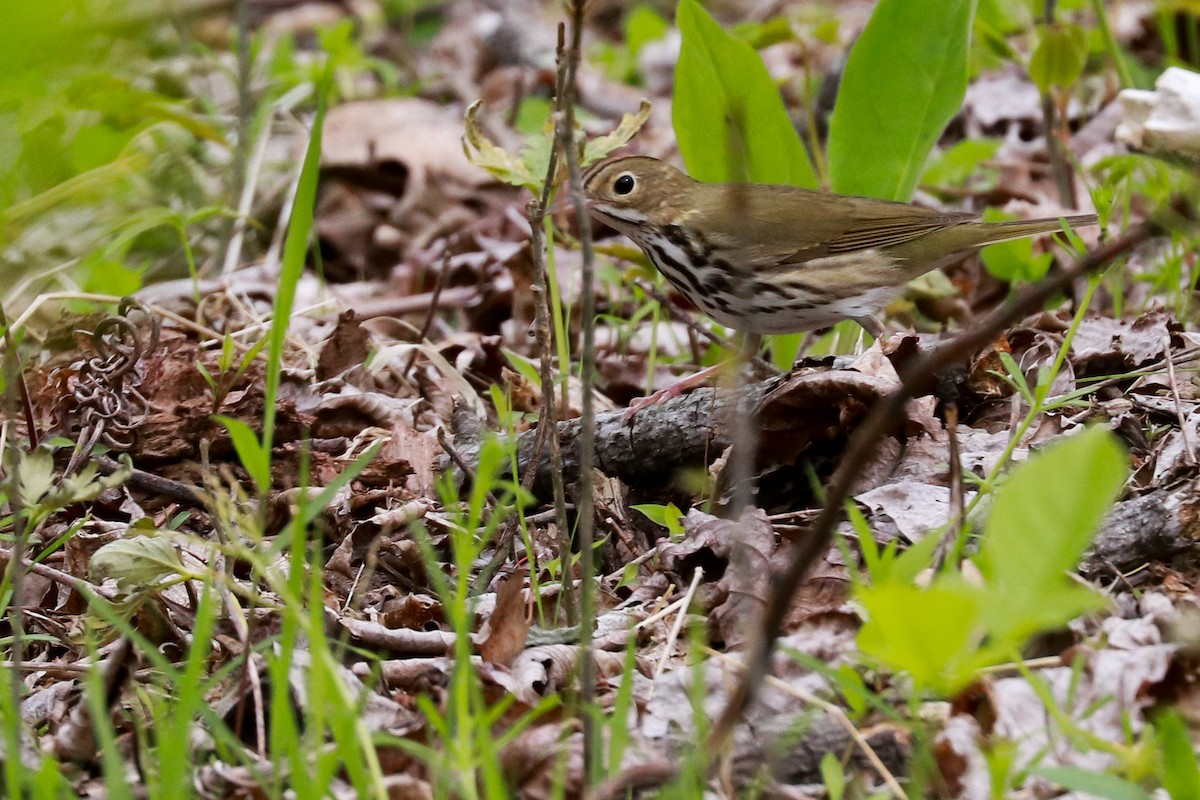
{"x":1167,"y":119}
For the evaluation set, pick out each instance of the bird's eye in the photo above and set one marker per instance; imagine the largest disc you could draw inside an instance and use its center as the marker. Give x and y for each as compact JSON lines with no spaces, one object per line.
{"x":624,"y":184}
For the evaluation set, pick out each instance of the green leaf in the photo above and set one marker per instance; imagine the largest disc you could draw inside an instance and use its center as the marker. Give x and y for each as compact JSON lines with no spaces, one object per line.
{"x":601,"y":146}
{"x":929,"y":633}
{"x":532,"y":115}
{"x":1100,"y":785}
{"x":904,"y":81}
{"x":1042,"y":519}
{"x":482,"y":152}
{"x":295,"y":254}
{"x":959,"y":162}
{"x":915,"y":559}
{"x":667,"y":516}
{"x":103,"y":275}
{"x":136,"y":561}
{"x":253,"y":455}
{"x":96,"y":145}
{"x":1059,"y":57}
{"x":35,"y":476}
{"x":765,"y":33}
{"x":523,"y":366}
{"x":1041,"y":522}
{"x":729,"y":118}
{"x":85,"y":485}
{"x":642,"y":26}
{"x":833,"y":776}
{"x":1013,"y":261}
{"x":1180,"y":773}
{"x":854,"y":690}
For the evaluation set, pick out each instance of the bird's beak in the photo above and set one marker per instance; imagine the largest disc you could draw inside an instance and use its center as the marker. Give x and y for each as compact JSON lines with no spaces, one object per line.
{"x":564,"y":202}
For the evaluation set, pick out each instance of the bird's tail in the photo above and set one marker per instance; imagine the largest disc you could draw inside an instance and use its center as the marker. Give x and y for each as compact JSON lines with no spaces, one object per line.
{"x":1019,"y":229}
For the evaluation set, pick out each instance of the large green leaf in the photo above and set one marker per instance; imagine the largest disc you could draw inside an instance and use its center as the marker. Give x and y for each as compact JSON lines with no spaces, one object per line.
{"x":931,"y":633}
{"x":1043,"y":519}
{"x":136,"y":561}
{"x":729,"y":118}
{"x":904,"y":81}
{"x":1180,"y":771}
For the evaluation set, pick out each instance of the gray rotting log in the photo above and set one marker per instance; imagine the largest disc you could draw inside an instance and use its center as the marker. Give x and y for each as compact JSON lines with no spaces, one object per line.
{"x":797,"y":410}
{"x":1153,"y":528}
{"x":793,"y":413}
{"x":682,"y":432}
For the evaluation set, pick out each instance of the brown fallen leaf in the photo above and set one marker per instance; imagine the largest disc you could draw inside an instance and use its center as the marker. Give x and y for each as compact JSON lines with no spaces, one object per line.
{"x":745,"y":546}
{"x":503,"y":634}
{"x":347,"y":347}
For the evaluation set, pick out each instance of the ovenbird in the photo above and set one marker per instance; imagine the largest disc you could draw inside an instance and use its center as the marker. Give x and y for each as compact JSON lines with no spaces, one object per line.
{"x":780,"y":259}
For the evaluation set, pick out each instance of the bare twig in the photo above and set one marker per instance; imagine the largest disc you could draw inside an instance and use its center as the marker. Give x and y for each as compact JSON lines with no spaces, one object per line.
{"x":548,"y":419}
{"x":566,"y":137}
{"x":957,"y":516}
{"x":834,"y":711}
{"x":1189,"y":449}
{"x":79,"y":585}
{"x":18,"y":378}
{"x":677,"y":625}
{"x":440,"y":282}
{"x":156,"y":484}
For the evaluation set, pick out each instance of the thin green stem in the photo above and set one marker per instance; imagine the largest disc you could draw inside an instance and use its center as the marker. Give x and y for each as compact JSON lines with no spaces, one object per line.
{"x":1111,"y":44}
{"x":1038,"y":402}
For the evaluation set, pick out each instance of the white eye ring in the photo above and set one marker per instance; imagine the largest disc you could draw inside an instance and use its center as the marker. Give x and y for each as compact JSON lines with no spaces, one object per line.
{"x":624,"y":184}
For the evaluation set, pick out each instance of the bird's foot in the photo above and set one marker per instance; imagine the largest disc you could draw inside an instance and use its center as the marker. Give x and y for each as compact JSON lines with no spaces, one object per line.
{"x":679,"y":387}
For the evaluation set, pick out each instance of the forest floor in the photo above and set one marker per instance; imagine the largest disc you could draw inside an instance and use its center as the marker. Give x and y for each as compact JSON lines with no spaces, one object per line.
{"x":310,"y":546}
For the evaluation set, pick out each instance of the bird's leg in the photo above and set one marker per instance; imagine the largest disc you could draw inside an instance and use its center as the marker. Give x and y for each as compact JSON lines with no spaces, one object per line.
{"x":749,"y":348}
{"x":872,"y":325}
{"x":751,"y":342}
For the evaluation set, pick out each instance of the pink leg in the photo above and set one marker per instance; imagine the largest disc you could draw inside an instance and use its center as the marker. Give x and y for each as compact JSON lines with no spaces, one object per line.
{"x":677,"y":388}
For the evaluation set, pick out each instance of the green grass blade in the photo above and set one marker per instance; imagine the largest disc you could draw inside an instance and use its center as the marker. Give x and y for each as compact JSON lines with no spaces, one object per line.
{"x":295,"y":251}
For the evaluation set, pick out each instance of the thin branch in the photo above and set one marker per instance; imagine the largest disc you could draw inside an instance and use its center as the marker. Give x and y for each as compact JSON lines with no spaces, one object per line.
{"x":548,"y":419}
{"x":834,"y":711}
{"x":587,"y":442}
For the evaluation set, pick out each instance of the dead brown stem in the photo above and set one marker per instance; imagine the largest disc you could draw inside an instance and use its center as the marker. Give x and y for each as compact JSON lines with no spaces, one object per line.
{"x":548,"y":419}
{"x":566,"y":136}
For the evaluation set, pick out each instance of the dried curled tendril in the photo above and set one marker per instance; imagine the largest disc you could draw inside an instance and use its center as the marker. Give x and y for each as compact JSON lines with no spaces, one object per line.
{"x":108,"y":406}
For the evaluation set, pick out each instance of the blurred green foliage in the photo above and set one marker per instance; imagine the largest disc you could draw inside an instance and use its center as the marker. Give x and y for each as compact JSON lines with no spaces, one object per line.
{"x":1059,"y":57}
{"x":1014,"y":261}
{"x":356,"y":72}
{"x":95,"y":126}
{"x":642,"y":26}
{"x":1057,"y":497}
{"x":959,"y":163}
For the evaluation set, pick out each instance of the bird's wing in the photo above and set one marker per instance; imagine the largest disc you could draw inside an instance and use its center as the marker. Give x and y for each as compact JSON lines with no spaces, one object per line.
{"x":782,"y":229}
